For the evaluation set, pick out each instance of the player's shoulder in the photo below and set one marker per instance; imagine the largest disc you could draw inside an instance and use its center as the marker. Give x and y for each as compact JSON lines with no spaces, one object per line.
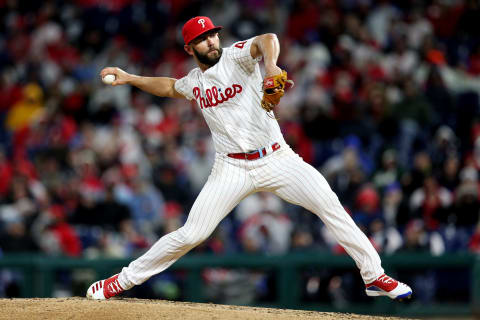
{"x":194,"y":73}
{"x":240,"y":45}
{"x":239,"y":50}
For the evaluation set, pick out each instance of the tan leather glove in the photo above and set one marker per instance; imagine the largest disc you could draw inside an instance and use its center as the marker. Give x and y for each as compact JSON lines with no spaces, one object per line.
{"x":273,"y":89}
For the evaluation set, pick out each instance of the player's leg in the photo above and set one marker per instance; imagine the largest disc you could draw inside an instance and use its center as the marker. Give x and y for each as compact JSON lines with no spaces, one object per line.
{"x":298,"y":182}
{"x":305,"y":186}
{"x":226,"y":187}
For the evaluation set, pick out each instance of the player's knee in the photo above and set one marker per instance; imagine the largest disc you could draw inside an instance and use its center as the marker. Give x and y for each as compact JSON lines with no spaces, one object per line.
{"x":190,"y":238}
{"x":194,"y":240}
{"x":327,"y":201}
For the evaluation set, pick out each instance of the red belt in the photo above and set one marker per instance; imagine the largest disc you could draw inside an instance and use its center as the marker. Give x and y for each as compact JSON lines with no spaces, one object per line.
{"x":253,"y":155}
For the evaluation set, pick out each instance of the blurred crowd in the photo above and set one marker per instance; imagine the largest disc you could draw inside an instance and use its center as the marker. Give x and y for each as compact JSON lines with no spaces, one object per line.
{"x":386,"y":106}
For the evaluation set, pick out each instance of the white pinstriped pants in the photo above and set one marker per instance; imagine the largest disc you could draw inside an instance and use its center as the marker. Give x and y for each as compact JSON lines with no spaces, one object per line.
{"x":282,"y":172}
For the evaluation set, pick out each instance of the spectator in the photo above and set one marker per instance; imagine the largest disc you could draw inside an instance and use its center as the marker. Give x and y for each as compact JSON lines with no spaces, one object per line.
{"x":147,"y":207}
{"x":389,"y":173}
{"x":440,"y":97}
{"x":200,"y":166}
{"x":449,"y":175}
{"x":367,"y":209}
{"x":54,"y":235}
{"x":27,"y":110}
{"x":5,"y":173}
{"x":265,"y":227}
{"x":430,"y":202}
{"x":345,"y":174}
{"x":15,"y":237}
{"x":395,"y":207}
{"x":417,"y":239}
{"x":413,"y":113}
{"x":466,"y":209}
{"x":474,"y":244}
{"x":444,"y":145}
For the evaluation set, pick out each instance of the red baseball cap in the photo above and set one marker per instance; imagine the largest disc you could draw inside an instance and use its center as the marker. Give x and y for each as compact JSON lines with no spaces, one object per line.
{"x":196,"y":27}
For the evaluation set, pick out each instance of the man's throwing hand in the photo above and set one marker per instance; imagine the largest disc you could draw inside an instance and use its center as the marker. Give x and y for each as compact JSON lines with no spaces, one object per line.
{"x":121,"y":77}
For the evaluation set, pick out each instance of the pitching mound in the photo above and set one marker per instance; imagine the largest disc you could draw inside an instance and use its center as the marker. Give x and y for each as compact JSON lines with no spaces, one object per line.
{"x":81,"y":308}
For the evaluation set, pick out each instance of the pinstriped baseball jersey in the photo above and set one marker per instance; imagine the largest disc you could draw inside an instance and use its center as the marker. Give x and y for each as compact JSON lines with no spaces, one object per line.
{"x":228,"y":95}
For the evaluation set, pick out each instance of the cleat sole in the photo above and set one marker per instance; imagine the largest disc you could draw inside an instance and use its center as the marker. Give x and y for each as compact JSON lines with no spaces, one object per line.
{"x":405,"y":296}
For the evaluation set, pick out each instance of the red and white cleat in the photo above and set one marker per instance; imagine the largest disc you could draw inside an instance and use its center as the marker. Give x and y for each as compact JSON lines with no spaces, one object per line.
{"x":387,"y":286}
{"x":104,"y":289}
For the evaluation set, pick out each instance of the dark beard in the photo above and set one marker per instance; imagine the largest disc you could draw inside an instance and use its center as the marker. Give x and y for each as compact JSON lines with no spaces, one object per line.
{"x":204,"y":59}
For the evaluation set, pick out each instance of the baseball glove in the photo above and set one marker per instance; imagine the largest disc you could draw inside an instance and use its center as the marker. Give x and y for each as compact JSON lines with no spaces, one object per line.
{"x":273,"y":89}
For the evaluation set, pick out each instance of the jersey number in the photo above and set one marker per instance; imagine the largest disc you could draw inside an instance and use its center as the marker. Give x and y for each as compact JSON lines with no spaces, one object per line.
{"x":240,"y":44}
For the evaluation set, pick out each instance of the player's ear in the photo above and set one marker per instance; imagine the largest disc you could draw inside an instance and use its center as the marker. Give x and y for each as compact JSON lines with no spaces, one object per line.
{"x":188,"y":49}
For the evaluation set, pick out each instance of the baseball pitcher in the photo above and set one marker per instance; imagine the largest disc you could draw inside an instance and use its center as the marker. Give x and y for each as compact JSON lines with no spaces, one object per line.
{"x":251,"y":155}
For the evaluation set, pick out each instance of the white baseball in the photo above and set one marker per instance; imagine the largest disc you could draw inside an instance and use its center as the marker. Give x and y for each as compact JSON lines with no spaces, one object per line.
{"x":108,"y":79}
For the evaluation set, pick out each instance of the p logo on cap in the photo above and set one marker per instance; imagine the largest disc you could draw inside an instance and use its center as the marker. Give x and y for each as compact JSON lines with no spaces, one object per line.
{"x":196,"y":27}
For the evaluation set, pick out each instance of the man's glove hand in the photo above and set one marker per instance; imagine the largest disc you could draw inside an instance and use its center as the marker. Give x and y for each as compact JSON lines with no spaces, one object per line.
{"x":273,"y":89}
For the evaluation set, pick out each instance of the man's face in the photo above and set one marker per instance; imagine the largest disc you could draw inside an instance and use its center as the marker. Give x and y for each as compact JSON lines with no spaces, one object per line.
{"x":206,"y":48}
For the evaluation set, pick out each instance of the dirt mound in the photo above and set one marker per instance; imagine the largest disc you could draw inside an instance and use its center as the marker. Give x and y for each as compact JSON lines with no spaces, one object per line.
{"x":81,"y":308}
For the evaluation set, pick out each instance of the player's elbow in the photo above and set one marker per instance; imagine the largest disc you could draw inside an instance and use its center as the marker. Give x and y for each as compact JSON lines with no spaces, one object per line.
{"x":265,"y":39}
{"x":270,"y":37}
{"x":168,"y":90}
{"x":264,"y":43}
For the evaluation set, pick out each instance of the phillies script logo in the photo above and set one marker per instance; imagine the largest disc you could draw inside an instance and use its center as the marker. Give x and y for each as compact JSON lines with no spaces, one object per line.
{"x":202,"y":22}
{"x":214,"y":97}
